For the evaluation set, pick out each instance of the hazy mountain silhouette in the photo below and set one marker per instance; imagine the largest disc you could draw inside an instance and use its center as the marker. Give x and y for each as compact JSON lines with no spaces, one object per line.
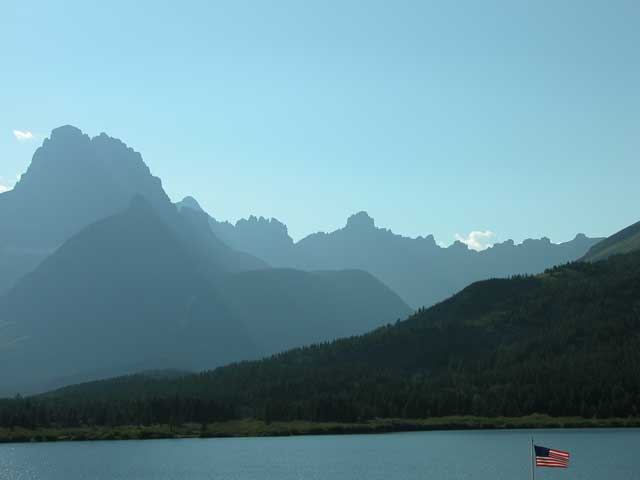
{"x":285,"y":308}
{"x":139,"y":291}
{"x":262,"y":237}
{"x":194,"y":230}
{"x":421,"y":271}
{"x":131,"y":282}
{"x":625,"y":241}
{"x":418,"y":269}
{"x":124,"y":291}
{"x":73,"y":180}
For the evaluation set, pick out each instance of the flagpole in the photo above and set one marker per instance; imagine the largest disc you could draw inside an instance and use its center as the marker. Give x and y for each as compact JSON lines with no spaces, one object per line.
{"x":533,"y":465}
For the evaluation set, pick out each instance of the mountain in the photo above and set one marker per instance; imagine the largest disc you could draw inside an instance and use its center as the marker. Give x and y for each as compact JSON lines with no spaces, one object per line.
{"x":286,"y":308}
{"x":422,"y":272}
{"x":565,"y":343}
{"x":72,"y":181}
{"x":103,"y":275}
{"x":418,"y":269}
{"x":124,"y":292}
{"x":193,"y":229}
{"x":625,"y":241}
{"x":142,"y":290}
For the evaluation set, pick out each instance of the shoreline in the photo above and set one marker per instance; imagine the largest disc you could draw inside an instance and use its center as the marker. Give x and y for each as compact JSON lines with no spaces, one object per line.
{"x":259,"y":428}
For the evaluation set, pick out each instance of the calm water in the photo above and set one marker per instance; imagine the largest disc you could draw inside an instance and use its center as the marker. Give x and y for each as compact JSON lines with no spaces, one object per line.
{"x":596,"y":455}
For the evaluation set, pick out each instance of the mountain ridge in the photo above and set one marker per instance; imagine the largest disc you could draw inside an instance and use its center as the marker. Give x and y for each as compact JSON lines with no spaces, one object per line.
{"x":418,"y":269}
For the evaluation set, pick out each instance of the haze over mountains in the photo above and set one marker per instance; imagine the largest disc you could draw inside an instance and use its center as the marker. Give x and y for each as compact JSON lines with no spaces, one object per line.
{"x":100,"y":274}
{"x":418,"y":269}
{"x":141,"y":285}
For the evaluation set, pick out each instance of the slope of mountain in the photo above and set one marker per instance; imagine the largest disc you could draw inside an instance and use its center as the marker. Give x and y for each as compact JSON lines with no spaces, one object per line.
{"x":566,"y":342}
{"x":137,"y":291}
{"x":625,"y":241}
{"x":124,"y":291}
{"x":418,"y":269}
{"x":193,"y":229}
{"x":285,"y":308}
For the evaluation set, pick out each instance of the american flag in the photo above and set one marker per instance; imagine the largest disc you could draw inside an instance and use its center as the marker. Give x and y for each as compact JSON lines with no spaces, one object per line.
{"x":548,"y":457}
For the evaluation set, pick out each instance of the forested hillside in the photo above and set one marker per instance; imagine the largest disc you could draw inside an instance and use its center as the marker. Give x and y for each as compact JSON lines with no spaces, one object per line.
{"x":566,"y":342}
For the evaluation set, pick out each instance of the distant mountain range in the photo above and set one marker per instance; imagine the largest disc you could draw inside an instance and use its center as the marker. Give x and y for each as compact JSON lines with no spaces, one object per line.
{"x":419,"y":270}
{"x":100,"y":274}
{"x":564,"y":343}
{"x":120,"y":285}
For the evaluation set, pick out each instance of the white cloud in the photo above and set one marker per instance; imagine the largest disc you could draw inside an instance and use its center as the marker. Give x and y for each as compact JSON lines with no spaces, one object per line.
{"x":5,"y":184}
{"x":23,"y":135}
{"x":478,"y":240}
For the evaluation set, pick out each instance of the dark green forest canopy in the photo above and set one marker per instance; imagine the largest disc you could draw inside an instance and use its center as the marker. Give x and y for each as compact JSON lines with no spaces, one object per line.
{"x":563,"y":343}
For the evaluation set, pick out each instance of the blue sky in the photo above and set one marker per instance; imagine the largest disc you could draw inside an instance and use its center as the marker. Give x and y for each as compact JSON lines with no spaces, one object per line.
{"x":518,"y":117}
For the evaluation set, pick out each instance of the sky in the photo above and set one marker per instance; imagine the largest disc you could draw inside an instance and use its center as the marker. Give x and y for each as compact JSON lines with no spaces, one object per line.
{"x":479,"y":120}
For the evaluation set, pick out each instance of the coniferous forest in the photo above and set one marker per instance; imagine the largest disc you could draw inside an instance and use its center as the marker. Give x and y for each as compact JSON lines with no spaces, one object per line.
{"x":563,"y":343}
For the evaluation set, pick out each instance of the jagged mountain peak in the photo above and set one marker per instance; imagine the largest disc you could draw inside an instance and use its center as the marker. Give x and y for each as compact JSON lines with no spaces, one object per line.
{"x":458,"y":245}
{"x":73,"y":180}
{"x":189,"y":202}
{"x":67,"y":132}
{"x":361,"y":221}
{"x":272,"y":224}
{"x":428,"y":241}
{"x":70,"y":158}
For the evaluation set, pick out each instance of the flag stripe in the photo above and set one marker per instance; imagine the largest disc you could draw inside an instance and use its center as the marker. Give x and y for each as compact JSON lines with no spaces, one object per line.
{"x":558,"y":452}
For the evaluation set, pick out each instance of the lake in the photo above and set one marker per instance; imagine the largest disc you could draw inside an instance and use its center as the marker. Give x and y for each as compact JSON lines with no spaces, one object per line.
{"x":477,"y":455}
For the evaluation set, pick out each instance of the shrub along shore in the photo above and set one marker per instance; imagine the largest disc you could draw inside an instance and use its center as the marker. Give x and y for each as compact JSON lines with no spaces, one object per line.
{"x":259,"y":428}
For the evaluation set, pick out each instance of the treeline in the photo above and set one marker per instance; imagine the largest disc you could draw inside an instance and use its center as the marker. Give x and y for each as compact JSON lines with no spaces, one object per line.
{"x":564,"y":343}
{"x":176,"y":410}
